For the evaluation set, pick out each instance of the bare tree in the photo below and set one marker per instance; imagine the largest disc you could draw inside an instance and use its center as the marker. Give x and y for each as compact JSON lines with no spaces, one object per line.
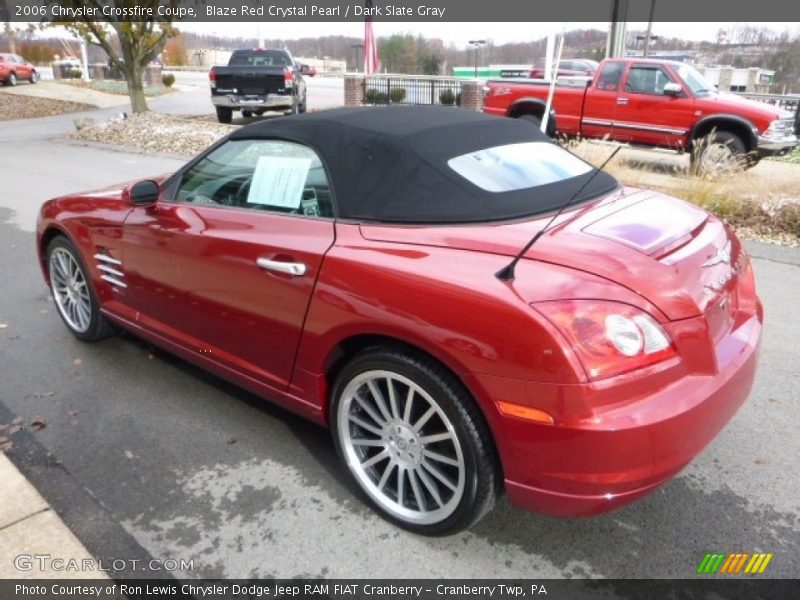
{"x":136,"y":44}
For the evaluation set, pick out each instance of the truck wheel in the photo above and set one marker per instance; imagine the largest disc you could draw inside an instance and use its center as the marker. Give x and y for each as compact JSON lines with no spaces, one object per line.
{"x":302,"y":107}
{"x":718,"y":152}
{"x":224,"y":115}
{"x":537,"y":122}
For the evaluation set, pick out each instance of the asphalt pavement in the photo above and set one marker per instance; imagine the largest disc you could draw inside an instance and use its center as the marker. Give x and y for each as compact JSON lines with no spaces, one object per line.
{"x":181,"y":465}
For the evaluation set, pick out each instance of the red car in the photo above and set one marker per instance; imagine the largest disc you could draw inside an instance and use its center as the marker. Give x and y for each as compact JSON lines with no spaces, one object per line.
{"x":14,"y":68}
{"x":355,"y":266}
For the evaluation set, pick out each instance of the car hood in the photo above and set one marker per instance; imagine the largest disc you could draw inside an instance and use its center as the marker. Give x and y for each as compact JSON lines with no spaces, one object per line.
{"x":672,"y":253}
{"x":722,"y":102}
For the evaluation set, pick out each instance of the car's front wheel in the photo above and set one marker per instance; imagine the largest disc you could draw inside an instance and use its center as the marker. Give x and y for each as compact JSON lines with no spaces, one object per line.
{"x":34,"y":77}
{"x":73,"y":294}
{"x":414,"y":441}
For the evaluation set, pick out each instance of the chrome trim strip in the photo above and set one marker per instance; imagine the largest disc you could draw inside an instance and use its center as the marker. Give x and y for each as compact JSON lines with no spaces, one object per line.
{"x":626,"y":125}
{"x":110,"y":271}
{"x":597,"y":122}
{"x":107,"y":258}
{"x":112,"y":281}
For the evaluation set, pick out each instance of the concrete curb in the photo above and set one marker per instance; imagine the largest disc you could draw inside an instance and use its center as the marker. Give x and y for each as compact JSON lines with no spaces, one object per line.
{"x":32,"y":535}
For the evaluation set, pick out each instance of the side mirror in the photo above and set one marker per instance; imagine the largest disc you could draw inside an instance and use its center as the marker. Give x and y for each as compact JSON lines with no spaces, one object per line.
{"x":144,"y":192}
{"x":673,"y":89}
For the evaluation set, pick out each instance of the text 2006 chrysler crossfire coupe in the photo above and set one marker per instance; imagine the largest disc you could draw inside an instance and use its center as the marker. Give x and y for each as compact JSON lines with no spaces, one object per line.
{"x":372,"y":270}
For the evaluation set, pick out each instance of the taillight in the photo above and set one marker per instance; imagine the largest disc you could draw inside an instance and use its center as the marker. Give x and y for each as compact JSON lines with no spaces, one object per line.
{"x":609,"y":338}
{"x":288,"y":77}
{"x":212,"y":78}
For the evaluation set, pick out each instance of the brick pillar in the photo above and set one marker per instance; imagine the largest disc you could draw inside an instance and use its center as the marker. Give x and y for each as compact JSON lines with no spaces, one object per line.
{"x":56,"y":71}
{"x":152,"y":76}
{"x":354,"y":90}
{"x":472,"y":95}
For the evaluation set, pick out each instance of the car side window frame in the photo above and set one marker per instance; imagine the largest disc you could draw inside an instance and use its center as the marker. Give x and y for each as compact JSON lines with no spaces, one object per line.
{"x":172,"y":185}
{"x":668,"y":79}
{"x":604,"y":83}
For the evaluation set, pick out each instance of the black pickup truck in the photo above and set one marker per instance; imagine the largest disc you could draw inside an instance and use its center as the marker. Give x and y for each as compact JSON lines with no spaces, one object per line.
{"x":256,"y":81}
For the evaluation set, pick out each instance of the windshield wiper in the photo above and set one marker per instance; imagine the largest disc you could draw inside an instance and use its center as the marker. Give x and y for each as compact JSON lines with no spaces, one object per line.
{"x":507,"y":272}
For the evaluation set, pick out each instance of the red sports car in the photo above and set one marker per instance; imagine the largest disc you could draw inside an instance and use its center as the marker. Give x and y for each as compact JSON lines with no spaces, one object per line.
{"x":14,"y":68}
{"x":372,"y":269}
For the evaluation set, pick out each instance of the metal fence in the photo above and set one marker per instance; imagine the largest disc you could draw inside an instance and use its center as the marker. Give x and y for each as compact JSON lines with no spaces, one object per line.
{"x":400,"y":89}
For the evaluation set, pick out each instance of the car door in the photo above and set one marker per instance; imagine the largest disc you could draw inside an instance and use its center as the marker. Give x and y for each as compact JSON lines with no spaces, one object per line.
{"x":227,"y":263}
{"x":22,"y":68}
{"x":600,"y":103}
{"x":645,"y":115}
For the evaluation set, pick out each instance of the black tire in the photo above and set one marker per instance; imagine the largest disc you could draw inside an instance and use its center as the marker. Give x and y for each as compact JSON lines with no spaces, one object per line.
{"x":224,"y":115}
{"x":11,"y":80}
{"x":34,"y":77}
{"x":302,"y":108}
{"x":247,"y":114}
{"x":97,"y":328}
{"x":718,"y":152}
{"x":476,"y":473}
{"x":537,"y":122}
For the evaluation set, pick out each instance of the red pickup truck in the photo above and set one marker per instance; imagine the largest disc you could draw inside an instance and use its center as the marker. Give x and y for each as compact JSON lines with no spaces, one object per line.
{"x":655,"y":103}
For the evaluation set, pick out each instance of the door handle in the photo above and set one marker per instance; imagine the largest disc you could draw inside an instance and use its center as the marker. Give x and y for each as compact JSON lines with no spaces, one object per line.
{"x":289,"y":268}
{"x":622,"y":100}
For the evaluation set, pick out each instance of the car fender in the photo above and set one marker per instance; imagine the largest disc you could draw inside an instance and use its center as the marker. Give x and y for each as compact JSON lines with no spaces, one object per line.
{"x":727,"y":122}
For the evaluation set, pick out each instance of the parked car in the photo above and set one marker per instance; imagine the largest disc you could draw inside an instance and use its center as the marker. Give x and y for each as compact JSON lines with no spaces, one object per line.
{"x":657,"y":103}
{"x":256,"y":81}
{"x":14,"y":68}
{"x":371,"y":269}
{"x":568,"y":67}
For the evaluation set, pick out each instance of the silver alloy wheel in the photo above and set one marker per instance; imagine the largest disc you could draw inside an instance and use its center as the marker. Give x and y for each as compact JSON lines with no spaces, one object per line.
{"x":717,"y":158}
{"x":70,"y":290}
{"x":12,"y":79}
{"x":34,"y":77}
{"x":401,"y":447}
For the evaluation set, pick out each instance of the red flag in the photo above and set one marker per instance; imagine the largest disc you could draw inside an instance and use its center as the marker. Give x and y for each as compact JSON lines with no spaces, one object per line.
{"x":371,"y":64}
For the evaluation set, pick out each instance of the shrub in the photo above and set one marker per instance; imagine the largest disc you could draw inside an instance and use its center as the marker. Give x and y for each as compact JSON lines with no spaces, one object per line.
{"x":374,"y":96}
{"x":397,"y":95}
{"x":447,"y":97}
{"x":75,"y":73}
{"x":168,"y":79}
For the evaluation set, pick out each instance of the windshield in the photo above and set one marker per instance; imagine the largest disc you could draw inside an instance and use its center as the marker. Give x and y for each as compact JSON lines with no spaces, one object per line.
{"x":518,"y":166}
{"x":695,"y":82}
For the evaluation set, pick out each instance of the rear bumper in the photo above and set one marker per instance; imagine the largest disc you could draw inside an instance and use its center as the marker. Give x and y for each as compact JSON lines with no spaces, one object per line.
{"x":623,"y":453}
{"x":268,"y":102}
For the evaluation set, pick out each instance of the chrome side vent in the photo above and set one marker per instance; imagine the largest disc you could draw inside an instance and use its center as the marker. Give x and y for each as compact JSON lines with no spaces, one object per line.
{"x":111,"y":270}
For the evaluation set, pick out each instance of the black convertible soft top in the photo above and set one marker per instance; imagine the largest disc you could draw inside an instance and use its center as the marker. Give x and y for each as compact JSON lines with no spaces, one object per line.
{"x":389,"y":164}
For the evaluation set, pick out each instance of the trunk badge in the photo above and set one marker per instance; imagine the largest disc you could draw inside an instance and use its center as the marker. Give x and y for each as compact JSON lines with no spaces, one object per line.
{"x":723,"y":255}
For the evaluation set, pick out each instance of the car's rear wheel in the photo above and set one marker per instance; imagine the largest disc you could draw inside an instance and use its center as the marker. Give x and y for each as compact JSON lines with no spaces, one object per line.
{"x":34,"y":77}
{"x":12,"y":79}
{"x":414,"y":441}
{"x":224,"y":115}
{"x":73,"y":294}
{"x":717,"y":153}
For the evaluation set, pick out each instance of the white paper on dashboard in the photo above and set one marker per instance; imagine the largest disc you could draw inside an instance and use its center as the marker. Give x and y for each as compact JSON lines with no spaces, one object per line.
{"x":279,"y":181}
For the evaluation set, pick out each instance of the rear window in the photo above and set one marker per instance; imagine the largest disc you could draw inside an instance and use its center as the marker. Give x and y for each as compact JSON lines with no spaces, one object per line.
{"x":518,"y":166}
{"x":257,"y":58}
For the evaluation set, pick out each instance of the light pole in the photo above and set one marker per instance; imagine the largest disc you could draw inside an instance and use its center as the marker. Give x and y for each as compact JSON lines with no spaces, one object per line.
{"x":476,"y":44}
{"x":357,"y":47}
